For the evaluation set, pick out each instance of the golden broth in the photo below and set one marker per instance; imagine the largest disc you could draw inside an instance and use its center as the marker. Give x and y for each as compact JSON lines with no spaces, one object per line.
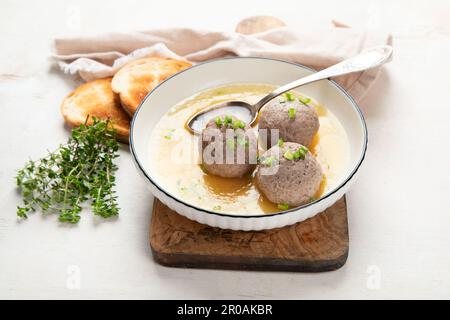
{"x":175,"y":158}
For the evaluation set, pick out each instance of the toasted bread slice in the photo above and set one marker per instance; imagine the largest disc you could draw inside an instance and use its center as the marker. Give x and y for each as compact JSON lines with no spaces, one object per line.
{"x":96,"y":99}
{"x":137,"y":78}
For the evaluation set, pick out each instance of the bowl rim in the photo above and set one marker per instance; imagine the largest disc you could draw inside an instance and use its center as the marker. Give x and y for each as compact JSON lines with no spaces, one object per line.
{"x":268,"y":215}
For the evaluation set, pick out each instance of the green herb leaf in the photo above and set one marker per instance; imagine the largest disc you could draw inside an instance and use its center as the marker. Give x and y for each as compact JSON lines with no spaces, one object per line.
{"x":301,"y":152}
{"x":292,"y":112}
{"x":280,"y":142}
{"x":289,"y":96}
{"x":228,"y":119}
{"x":303,"y":100}
{"x":218,"y":122}
{"x":238,"y":124}
{"x":81,"y":170}
{"x":282,"y":206}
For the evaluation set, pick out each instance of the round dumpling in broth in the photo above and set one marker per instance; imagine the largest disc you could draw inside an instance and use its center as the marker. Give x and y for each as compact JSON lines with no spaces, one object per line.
{"x":294,"y":120}
{"x":288,"y":175}
{"x":228,"y":147}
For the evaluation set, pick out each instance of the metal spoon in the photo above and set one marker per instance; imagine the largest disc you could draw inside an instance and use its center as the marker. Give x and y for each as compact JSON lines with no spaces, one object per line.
{"x":366,"y":60}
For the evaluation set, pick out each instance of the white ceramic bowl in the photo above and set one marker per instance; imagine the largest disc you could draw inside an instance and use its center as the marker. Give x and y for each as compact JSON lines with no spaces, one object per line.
{"x":237,"y":70}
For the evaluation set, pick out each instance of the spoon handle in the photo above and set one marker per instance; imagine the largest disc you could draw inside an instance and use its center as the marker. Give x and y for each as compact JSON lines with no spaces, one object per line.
{"x":366,"y":60}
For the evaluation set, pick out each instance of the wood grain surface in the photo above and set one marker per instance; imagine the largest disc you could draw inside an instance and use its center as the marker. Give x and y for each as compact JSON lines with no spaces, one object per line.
{"x":317,"y":244}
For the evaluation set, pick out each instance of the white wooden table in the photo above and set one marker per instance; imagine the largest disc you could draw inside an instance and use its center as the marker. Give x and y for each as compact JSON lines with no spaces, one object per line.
{"x":399,"y":209}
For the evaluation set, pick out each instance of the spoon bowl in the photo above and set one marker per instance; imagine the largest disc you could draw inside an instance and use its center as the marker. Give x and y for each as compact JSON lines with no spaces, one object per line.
{"x":242,"y":110}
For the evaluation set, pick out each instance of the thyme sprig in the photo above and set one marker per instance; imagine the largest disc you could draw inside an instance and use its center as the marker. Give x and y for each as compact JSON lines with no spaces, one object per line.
{"x":81,"y":170}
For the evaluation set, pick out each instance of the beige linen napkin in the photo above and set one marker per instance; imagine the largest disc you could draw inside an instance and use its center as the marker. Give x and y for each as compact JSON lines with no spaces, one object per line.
{"x":101,"y":56}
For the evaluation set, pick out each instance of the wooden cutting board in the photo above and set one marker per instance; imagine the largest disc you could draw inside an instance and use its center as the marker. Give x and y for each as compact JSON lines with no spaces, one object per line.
{"x":315,"y":245}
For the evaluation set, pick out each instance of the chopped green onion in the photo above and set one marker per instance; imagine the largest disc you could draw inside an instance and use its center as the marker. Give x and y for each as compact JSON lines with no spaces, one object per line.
{"x":288,"y":155}
{"x":301,"y":153}
{"x":218,"y":121}
{"x":268,"y":161}
{"x":283,"y":206}
{"x":304,"y":150}
{"x":217,"y":208}
{"x":169,"y":134}
{"x":230,"y":143}
{"x":289,"y":96}
{"x":305,"y":101}
{"x":238,"y":124}
{"x":292,"y":112}
{"x":228,"y":119}
{"x":280,"y":142}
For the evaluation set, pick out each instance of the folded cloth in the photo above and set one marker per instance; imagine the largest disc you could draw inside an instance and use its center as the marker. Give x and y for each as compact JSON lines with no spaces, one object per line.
{"x":101,"y":56}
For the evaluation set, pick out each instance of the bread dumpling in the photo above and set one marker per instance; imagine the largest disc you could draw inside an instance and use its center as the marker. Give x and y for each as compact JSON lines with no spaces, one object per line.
{"x":296,"y":121}
{"x":228,"y":147}
{"x":289,"y":175}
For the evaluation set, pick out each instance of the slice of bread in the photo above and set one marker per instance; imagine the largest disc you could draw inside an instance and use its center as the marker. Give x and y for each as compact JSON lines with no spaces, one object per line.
{"x":96,"y":99}
{"x":137,"y":78}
